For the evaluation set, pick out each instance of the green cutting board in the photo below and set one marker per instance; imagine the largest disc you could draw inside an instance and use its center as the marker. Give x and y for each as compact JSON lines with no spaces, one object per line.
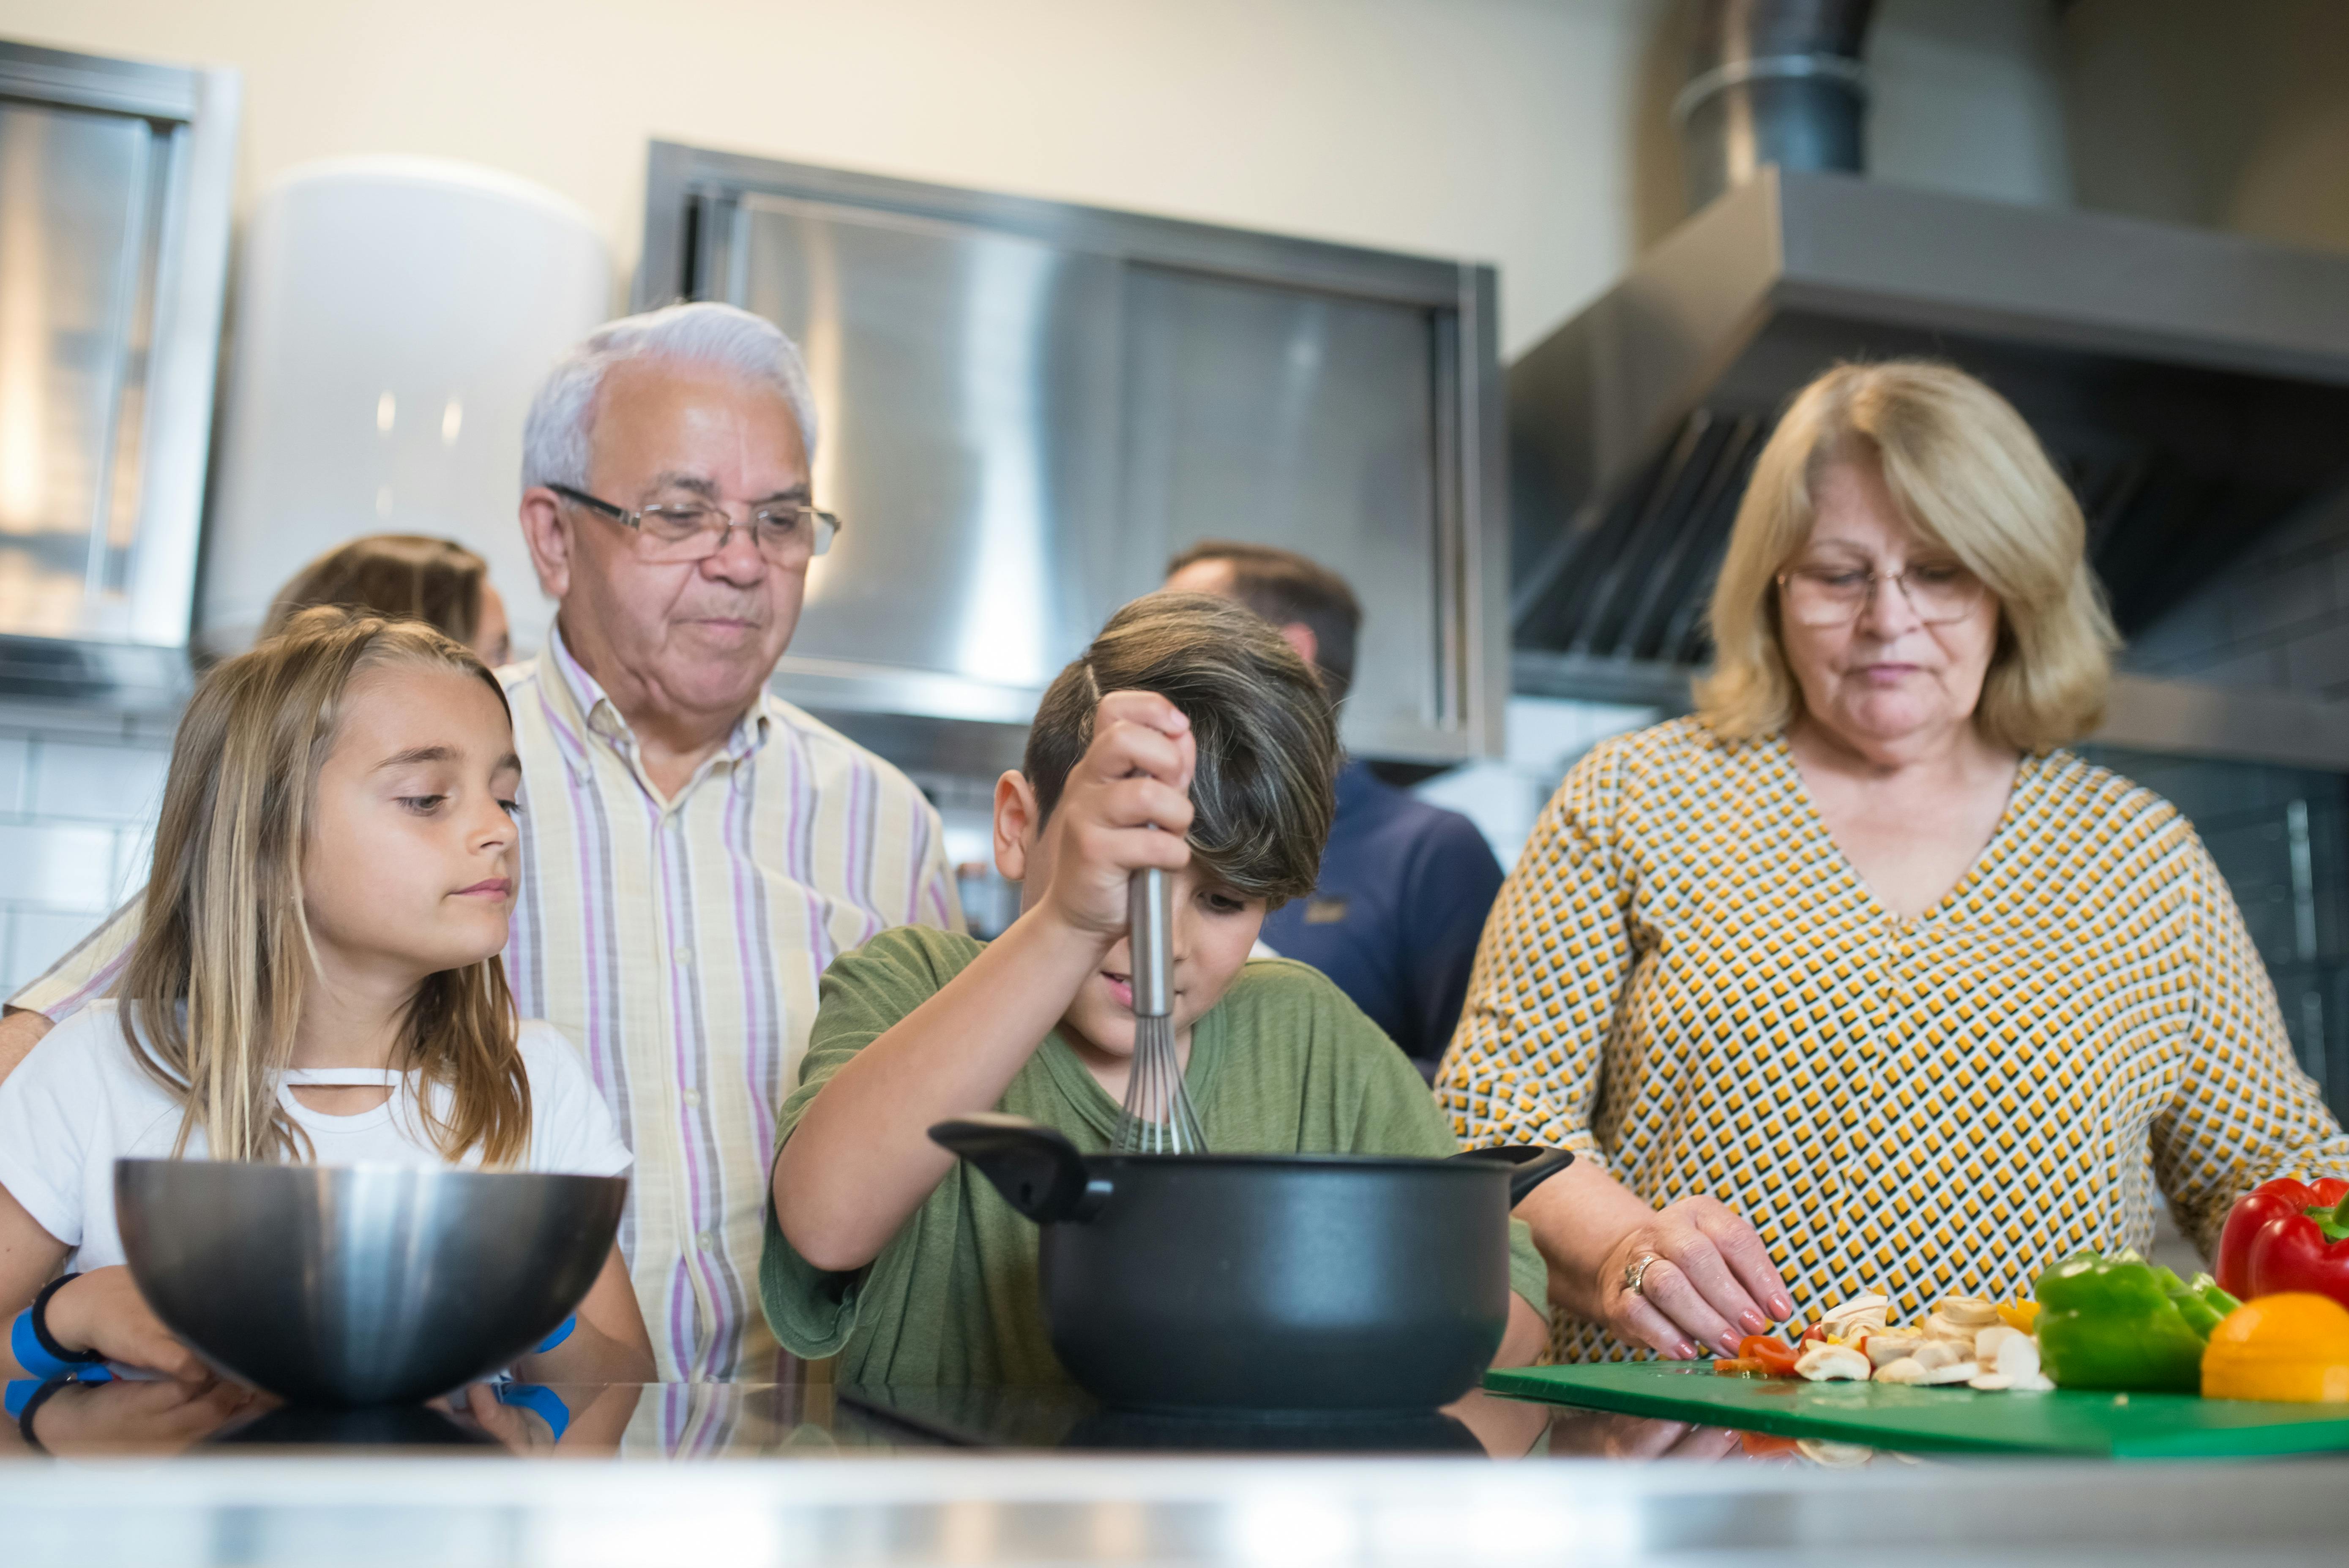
{"x":1892,"y":1416}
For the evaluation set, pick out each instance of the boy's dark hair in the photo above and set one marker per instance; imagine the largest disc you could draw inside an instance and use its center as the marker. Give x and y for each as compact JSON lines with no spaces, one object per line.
{"x":1283,"y":586}
{"x":1265,"y":784}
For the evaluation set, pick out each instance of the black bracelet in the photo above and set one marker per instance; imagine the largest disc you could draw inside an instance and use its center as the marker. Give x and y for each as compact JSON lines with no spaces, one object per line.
{"x":41,"y":1396}
{"x":41,"y":1326}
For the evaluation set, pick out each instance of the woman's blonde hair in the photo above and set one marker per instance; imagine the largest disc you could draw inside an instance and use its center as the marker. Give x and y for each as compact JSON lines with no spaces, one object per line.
{"x":214,"y":986}
{"x":404,"y":576}
{"x":1967,"y":473}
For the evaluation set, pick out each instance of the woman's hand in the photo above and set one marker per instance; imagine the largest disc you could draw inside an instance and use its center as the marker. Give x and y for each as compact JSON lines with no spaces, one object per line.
{"x":1125,"y":805}
{"x":1707,"y":1281}
{"x":1602,"y":1434}
{"x":103,"y":1311}
{"x":1704,"y":1278}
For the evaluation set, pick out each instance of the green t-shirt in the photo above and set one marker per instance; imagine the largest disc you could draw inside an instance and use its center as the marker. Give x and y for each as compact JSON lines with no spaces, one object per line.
{"x":1284,"y":1063}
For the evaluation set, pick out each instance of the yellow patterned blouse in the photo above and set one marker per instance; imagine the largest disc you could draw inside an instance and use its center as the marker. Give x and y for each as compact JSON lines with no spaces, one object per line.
{"x":1686,"y":980}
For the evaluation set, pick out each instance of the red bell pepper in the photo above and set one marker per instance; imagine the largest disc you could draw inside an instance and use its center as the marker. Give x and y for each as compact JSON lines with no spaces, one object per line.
{"x":2287,"y":1235}
{"x":1777,"y":1357}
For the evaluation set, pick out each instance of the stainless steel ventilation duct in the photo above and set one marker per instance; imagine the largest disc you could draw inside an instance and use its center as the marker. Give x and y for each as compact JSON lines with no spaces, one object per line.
{"x":1772,"y":81}
{"x":2192,"y":386}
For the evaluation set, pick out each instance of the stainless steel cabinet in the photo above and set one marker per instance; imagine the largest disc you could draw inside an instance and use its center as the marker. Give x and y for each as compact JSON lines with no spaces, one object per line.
{"x":114,"y":187}
{"x":1308,"y":421}
{"x":969,"y":402}
{"x":1029,"y":407}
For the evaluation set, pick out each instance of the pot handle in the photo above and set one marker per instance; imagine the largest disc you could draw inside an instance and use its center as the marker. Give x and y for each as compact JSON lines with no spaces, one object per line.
{"x":1035,"y":1167}
{"x":1535,"y":1165}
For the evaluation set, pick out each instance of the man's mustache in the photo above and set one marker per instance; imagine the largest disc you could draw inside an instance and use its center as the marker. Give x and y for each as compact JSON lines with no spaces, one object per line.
{"x":757,"y":612}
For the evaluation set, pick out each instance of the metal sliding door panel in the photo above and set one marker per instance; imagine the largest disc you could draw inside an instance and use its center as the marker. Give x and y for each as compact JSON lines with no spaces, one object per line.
{"x":115,"y":177}
{"x":969,"y":385}
{"x":77,"y":210}
{"x":1032,"y":403}
{"x":1306,"y":421}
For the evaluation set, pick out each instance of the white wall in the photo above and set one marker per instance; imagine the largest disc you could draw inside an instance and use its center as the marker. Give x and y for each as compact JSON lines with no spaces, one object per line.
{"x":1497,"y":129}
{"x":1530,"y":133}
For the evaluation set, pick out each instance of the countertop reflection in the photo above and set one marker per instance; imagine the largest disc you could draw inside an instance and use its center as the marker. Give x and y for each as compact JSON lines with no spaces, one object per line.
{"x":800,"y":1470}
{"x":810,"y":1418}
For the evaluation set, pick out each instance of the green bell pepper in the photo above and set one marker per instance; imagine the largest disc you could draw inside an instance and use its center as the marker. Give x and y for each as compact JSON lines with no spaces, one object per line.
{"x":2122,"y":1323}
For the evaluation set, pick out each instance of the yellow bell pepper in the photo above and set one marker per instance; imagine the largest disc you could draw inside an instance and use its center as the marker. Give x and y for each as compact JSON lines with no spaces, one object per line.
{"x":2293,"y":1346}
{"x":2022,"y":1316}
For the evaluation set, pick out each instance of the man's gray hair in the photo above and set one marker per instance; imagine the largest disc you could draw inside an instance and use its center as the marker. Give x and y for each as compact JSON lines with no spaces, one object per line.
{"x":556,"y":437}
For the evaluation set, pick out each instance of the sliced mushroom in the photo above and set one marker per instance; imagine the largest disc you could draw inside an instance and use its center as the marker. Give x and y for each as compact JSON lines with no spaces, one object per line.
{"x":1907,"y":1369}
{"x":2018,"y":1358}
{"x":1940,"y":1328}
{"x":1968,"y":1311}
{"x":1884,"y":1349}
{"x":2035,"y":1383}
{"x":1834,"y":1456}
{"x":1964,"y":1372}
{"x":1861,"y":1313}
{"x":1833,"y":1363}
{"x":1936,"y":1354}
{"x":1990,"y":1382}
{"x":1987,"y":1342}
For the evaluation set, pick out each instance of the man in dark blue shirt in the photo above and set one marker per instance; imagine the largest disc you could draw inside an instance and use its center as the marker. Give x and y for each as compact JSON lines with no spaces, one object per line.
{"x":1405,"y":886}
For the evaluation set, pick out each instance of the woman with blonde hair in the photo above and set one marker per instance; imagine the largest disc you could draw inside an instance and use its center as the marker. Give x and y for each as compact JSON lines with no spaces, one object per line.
{"x":316,"y":978}
{"x":1855,"y":980}
{"x":404,"y":576}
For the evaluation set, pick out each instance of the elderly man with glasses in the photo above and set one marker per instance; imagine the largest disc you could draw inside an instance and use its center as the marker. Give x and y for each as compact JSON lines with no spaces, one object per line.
{"x":695,"y":850}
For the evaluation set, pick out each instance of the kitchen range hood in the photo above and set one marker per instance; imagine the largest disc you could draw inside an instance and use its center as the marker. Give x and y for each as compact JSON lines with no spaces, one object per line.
{"x":2192,"y":386}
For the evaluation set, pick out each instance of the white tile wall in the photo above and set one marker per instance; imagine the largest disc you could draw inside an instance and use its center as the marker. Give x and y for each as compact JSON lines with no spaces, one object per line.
{"x":72,"y":779}
{"x":80,"y":791}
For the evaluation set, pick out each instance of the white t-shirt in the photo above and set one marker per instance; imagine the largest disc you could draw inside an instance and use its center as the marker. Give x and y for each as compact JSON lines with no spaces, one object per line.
{"x":79,"y":1101}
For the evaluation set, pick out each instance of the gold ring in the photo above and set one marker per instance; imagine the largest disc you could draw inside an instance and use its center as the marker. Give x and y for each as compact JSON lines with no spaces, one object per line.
{"x":1636,"y":1271}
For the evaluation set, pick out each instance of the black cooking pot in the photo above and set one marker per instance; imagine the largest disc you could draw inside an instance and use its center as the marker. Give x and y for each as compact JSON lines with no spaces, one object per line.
{"x":1264,"y":1282}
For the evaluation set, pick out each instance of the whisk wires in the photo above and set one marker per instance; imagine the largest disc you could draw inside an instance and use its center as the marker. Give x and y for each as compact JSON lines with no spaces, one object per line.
{"x":1158,"y":1117}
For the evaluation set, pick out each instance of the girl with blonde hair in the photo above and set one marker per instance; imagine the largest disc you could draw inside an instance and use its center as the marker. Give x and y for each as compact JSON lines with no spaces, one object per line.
{"x":316,"y":979}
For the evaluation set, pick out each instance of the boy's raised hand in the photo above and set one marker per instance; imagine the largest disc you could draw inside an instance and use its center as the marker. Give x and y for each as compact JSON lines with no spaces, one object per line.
{"x":1125,"y":805}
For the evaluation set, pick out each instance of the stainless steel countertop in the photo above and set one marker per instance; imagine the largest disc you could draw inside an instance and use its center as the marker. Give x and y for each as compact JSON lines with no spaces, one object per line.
{"x":792,"y":1475}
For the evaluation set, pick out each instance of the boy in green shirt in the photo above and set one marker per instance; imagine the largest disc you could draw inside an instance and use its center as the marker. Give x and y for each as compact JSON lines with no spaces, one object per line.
{"x":1191,"y":737}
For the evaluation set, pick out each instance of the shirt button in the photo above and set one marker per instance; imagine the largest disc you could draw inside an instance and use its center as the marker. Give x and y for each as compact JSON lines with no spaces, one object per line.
{"x":708,"y":1241}
{"x":685,"y":958}
{"x":693,"y":1098}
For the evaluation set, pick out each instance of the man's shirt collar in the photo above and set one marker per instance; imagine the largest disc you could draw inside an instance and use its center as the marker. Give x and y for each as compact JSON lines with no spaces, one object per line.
{"x":593,"y":706}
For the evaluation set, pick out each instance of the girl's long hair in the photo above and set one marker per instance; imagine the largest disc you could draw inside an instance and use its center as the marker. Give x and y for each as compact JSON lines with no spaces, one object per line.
{"x":214,"y":986}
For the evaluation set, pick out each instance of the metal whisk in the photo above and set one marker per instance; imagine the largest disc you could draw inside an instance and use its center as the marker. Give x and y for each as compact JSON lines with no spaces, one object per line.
{"x":1157,"y":1118}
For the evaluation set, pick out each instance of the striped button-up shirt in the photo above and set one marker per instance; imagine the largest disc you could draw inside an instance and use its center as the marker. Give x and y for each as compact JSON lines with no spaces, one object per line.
{"x":677,"y":942}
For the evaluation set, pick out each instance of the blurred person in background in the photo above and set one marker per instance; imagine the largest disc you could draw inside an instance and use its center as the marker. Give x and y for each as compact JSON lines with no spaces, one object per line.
{"x":1405,"y":885}
{"x":406,"y":576}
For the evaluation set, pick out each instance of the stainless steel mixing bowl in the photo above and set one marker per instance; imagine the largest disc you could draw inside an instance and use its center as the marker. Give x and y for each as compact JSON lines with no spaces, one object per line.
{"x":366,"y":1285}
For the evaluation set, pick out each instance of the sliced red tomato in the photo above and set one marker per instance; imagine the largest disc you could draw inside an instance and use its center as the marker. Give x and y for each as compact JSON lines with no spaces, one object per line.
{"x":1739,"y":1368}
{"x":1767,"y":1445}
